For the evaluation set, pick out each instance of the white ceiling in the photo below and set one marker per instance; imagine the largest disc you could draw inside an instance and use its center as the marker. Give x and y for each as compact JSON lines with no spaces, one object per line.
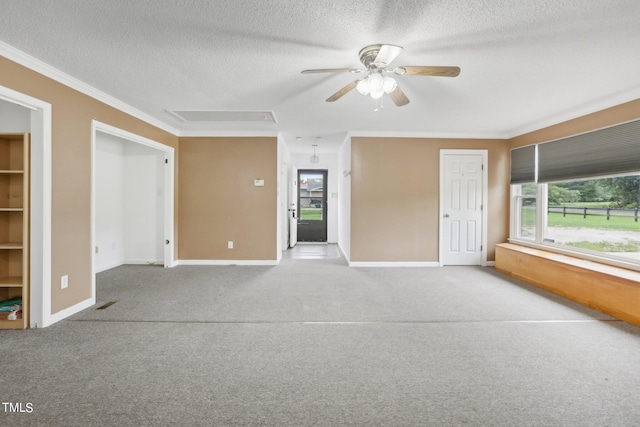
{"x":525,"y":64}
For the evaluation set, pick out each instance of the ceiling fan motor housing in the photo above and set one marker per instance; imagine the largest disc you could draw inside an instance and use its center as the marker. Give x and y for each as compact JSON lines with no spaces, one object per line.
{"x":368,"y":55}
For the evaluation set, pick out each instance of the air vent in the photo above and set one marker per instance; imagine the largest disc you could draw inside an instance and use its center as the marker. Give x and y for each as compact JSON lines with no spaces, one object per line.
{"x":209,"y":116}
{"x":106,"y":305}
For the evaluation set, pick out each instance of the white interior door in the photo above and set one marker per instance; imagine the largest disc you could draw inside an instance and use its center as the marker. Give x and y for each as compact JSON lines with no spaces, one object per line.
{"x":293,"y":207}
{"x":462,"y":196}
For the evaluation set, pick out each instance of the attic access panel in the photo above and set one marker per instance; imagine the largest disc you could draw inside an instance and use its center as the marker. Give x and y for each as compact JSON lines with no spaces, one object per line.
{"x":212,"y":116}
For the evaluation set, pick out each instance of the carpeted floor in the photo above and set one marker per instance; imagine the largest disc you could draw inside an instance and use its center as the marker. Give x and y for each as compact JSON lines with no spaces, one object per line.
{"x":316,"y":343}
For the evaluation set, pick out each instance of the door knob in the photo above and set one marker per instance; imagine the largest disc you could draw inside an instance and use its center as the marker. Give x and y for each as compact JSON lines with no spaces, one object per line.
{"x":446,"y":215}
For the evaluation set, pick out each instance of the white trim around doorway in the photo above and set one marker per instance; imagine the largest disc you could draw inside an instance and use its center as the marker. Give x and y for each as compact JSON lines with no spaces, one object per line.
{"x":169,"y":152}
{"x":40,"y":203}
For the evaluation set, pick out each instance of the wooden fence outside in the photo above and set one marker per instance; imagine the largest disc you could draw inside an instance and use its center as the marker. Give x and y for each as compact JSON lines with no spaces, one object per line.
{"x":585,"y":212}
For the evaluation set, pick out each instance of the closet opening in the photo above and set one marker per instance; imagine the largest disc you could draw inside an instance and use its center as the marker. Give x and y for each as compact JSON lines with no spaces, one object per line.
{"x":132,"y":200}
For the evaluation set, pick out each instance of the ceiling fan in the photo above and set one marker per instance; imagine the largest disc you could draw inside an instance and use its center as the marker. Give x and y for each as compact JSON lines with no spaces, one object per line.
{"x":376,"y":58}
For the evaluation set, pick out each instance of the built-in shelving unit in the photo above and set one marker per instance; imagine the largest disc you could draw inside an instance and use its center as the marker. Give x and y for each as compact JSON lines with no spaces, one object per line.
{"x":14,"y":230}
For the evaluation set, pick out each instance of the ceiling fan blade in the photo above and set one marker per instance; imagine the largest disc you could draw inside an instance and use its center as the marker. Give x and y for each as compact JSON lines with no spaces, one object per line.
{"x":428,"y":71}
{"x":339,"y":94}
{"x":387,"y":54}
{"x":398,"y":97}
{"x":332,"y":70}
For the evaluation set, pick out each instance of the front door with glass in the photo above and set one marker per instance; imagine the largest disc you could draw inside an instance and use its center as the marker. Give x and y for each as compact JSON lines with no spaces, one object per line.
{"x":312,"y":206}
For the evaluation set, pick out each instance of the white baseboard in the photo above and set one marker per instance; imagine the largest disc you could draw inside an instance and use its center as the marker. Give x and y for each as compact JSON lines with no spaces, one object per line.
{"x":128,"y":262}
{"x":226,"y":262}
{"x":143,"y":262}
{"x":491,"y":263}
{"x":61,"y":315}
{"x":393,"y":264}
{"x":343,"y":254}
{"x":102,"y":268}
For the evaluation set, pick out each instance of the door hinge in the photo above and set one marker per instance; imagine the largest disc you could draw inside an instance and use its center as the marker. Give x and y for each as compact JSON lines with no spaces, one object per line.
{"x":166,"y":161}
{"x":483,"y":167}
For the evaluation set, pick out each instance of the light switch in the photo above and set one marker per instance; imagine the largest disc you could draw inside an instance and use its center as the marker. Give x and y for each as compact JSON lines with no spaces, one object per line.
{"x":258,"y":182}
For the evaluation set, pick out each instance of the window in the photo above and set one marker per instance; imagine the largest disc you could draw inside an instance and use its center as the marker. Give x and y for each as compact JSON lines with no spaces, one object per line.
{"x":525,"y":198}
{"x":598,"y":216}
{"x":580,"y":193}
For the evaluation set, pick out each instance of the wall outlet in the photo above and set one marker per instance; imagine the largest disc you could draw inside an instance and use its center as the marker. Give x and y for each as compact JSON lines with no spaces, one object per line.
{"x":64,"y":282}
{"x":230,"y":244}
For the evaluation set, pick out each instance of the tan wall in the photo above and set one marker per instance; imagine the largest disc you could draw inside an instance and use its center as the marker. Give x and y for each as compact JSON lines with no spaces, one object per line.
{"x":71,"y":173}
{"x":219,"y":202}
{"x":600,"y":119}
{"x":395,"y":197}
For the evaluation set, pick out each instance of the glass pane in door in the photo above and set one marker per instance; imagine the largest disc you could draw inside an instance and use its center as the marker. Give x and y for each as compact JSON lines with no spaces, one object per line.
{"x":311,"y":190}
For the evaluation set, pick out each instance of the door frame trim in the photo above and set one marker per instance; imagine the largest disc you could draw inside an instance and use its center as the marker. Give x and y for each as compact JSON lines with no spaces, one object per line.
{"x":40,"y":258}
{"x":325,"y":208}
{"x":168,"y":184}
{"x":292,"y":186}
{"x":485,"y":205}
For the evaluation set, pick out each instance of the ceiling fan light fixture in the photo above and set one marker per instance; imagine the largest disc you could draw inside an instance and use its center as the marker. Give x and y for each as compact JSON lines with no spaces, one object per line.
{"x":376,"y":85}
{"x":363,"y":87}
{"x":389,"y":85}
{"x":375,"y":81}
{"x":377,"y":94}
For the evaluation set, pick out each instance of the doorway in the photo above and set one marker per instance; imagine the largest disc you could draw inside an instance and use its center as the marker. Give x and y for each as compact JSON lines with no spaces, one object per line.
{"x":129,"y":211}
{"x":312,"y":205}
{"x":40,"y":206}
{"x":144,"y":213}
{"x":311,"y":251}
{"x":463,"y":201}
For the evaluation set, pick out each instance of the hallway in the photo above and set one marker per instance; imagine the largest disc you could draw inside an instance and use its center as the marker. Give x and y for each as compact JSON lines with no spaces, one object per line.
{"x":312,"y":251}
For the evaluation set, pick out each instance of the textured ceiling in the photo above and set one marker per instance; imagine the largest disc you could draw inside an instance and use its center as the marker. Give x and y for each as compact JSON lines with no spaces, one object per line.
{"x":525,"y":64}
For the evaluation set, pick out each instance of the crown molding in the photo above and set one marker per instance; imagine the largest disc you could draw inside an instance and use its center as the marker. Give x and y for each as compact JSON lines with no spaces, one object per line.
{"x":227,"y":133}
{"x":47,"y":70}
{"x":590,"y":108}
{"x":431,"y":135}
